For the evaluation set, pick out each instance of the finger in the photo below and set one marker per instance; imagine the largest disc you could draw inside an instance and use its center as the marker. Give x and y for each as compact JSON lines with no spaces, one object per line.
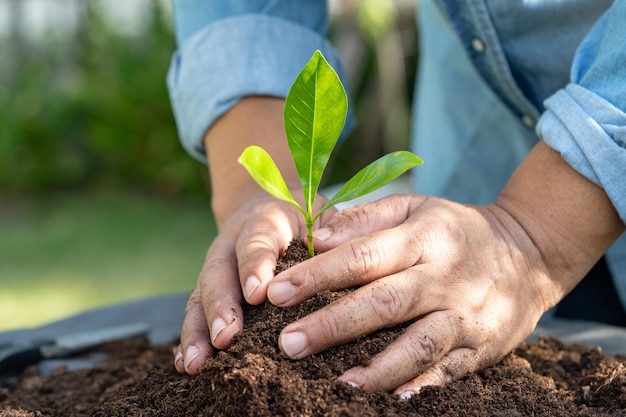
{"x":179,"y":364}
{"x":453,"y":366}
{"x":195,"y":347}
{"x":221,"y":293}
{"x":364,"y":219}
{"x":354,"y":263}
{"x":422,"y":345}
{"x":383,"y":303}
{"x":213,"y":314}
{"x":258,"y":247}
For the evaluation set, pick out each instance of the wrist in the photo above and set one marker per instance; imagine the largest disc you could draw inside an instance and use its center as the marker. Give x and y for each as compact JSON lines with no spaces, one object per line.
{"x":253,"y":121}
{"x":570,"y":220}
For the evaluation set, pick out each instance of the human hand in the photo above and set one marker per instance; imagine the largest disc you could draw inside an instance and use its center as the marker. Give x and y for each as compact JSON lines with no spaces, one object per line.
{"x":242,"y":257}
{"x":470,"y":279}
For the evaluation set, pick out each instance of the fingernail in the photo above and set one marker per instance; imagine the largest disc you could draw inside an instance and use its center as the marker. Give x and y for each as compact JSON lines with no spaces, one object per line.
{"x":218,"y":325}
{"x":178,"y":357}
{"x":293,"y":344}
{"x":252,"y":283}
{"x":406,"y":395}
{"x":322,"y":234}
{"x":352,"y":384}
{"x":192,"y":353}
{"x":280,"y":292}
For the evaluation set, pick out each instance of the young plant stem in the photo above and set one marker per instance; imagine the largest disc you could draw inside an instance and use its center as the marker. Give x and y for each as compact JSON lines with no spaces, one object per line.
{"x":309,"y":235}
{"x":316,"y":108}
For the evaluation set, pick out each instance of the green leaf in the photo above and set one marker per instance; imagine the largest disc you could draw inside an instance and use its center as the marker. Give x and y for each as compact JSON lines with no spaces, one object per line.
{"x":264,"y":171}
{"x":374,"y":176}
{"x":315,"y":113}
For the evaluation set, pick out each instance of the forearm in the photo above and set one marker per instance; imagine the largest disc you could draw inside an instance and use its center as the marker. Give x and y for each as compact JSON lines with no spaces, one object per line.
{"x":571,"y":220}
{"x":256,"y":120}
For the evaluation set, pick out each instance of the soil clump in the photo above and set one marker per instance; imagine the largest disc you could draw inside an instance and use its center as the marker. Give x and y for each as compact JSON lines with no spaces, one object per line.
{"x":253,"y":378}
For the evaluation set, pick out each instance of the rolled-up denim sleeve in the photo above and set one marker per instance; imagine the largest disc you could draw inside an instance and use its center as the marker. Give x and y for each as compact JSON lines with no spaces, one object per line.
{"x":231,"y":49}
{"x":586,"y":121}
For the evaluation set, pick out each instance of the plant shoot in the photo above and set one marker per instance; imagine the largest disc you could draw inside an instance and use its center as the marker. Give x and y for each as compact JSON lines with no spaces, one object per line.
{"x":316,"y":108}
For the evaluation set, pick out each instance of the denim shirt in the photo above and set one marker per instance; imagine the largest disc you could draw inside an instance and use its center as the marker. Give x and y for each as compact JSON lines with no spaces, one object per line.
{"x":494,"y":76}
{"x":231,"y":49}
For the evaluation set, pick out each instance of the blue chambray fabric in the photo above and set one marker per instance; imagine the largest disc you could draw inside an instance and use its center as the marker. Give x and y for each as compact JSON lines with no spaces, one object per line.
{"x":586,"y":120}
{"x":561,"y":64}
{"x":232,"y":49}
{"x":494,"y":76}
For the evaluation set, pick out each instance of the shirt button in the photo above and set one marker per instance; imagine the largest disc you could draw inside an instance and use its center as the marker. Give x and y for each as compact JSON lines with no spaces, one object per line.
{"x":528,"y":121}
{"x":478,"y":45}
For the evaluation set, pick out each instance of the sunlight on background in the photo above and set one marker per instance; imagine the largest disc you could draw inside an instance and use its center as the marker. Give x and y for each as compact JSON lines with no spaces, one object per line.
{"x":38,"y":19}
{"x":65,"y":254}
{"x":99,"y":204}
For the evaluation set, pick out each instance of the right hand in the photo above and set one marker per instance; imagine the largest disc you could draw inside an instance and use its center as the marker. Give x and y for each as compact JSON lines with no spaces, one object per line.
{"x":240,"y":262}
{"x":253,"y":229}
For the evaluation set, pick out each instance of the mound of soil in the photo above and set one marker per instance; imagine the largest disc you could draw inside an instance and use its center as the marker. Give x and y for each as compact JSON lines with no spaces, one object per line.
{"x":252,"y":378}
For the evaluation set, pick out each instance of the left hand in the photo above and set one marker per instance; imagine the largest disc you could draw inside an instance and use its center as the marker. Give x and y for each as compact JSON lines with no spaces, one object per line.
{"x":470,"y":277}
{"x":473,"y":279}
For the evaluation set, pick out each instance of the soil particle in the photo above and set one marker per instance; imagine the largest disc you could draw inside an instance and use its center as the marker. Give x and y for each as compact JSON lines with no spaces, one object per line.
{"x":253,"y":378}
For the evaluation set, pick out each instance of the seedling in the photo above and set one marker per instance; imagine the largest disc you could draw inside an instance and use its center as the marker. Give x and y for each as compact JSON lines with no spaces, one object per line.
{"x":315,"y":113}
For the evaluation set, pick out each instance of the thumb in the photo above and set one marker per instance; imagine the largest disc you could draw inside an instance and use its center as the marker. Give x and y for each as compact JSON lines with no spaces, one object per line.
{"x":362,"y":220}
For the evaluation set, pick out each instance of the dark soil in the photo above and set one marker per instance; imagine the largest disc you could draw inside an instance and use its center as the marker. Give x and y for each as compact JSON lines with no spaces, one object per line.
{"x":252,"y":378}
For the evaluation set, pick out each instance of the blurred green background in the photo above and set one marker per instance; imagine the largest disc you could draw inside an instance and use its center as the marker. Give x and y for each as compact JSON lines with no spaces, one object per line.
{"x":99,"y":204}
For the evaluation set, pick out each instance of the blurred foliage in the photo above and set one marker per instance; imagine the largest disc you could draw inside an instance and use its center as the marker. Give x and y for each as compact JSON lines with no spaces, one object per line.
{"x":94,"y":112}
{"x":378,"y":41}
{"x":376,"y":17}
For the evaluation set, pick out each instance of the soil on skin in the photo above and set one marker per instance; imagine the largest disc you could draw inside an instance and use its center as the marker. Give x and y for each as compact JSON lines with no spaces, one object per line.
{"x":252,"y":378}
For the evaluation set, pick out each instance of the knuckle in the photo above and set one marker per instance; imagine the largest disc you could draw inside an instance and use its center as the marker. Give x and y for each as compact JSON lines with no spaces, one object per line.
{"x":364,"y":259}
{"x":252,"y":241}
{"x":422,"y":351}
{"x":331,"y":329}
{"x":213,"y":264}
{"x":210,"y":297}
{"x":386,"y":303}
{"x":193,"y":303}
{"x":443,"y":375}
{"x":350,"y":220}
{"x":455,"y":367}
{"x":252,"y":250}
